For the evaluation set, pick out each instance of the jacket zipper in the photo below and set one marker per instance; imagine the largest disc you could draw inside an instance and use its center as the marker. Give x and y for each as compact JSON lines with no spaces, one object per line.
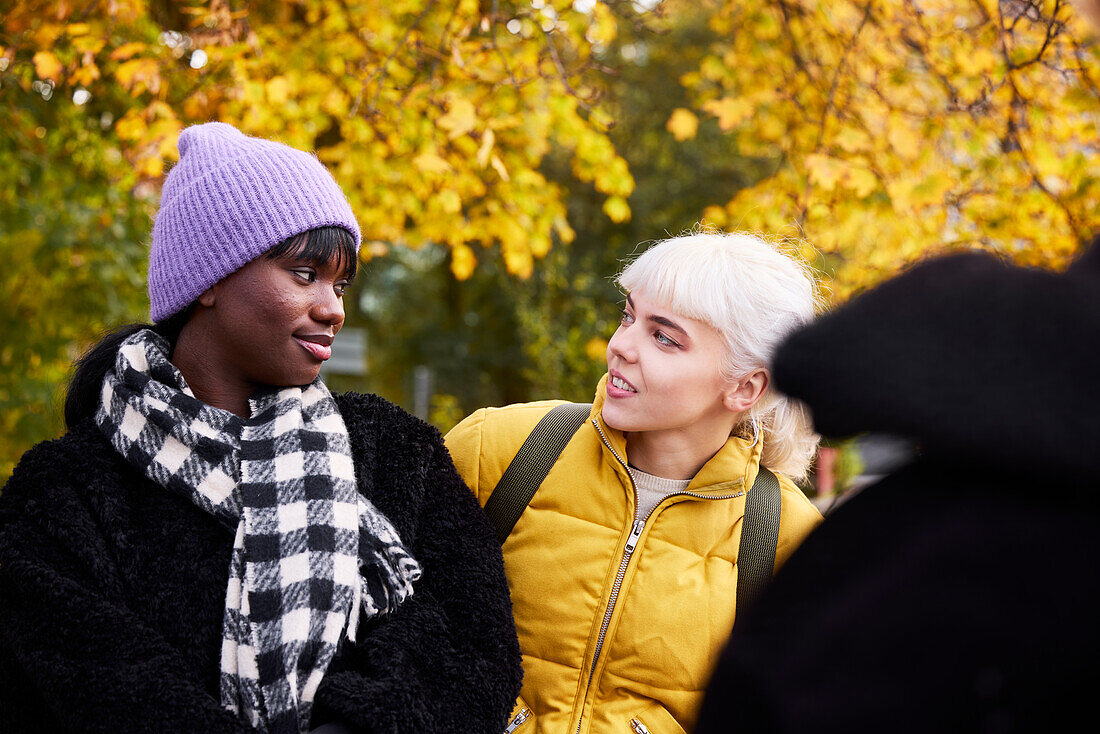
{"x":638,"y":727}
{"x":628,"y":551}
{"x":519,"y":718}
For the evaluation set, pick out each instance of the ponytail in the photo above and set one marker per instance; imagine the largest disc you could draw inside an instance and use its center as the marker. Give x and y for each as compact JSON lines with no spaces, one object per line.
{"x":82,"y":397}
{"x":790,"y":442}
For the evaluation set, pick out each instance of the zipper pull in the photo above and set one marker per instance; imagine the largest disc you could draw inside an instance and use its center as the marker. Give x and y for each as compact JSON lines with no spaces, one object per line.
{"x":635,"y":533}
{"x":638,"y":727}
{"x":521,"y":716}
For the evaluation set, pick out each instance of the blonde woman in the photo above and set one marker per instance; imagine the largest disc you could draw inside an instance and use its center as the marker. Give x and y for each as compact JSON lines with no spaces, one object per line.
{"x":623,"y":568}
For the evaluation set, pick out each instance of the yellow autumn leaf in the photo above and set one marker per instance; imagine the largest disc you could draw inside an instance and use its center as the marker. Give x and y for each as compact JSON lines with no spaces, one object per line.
{"x":89,"y":44}
{"x":463,"y":261}
{"x":487,"y":141}
{"x":683,"y":124}
{"x":46,"y":66}
{"x":826,"y":242}
{"x":596,"y":349}
{"x":45,"y":35}
{"x":137,"y":74}
{"x":277,"y":90}
{"x":460,"y":118}
{"x":853,"y":140}
{"x":565,"y":232}
{"x":498,"y":166}
{"x":730,"y":111}
{"x":715,"y":215}
{"x":903,"y":138}
{"x":335,"y":103}
{"x":976,"y":62}
{"x":603,"y":29}
{"x":616,"y":209}
{"x":771,"y":127}
{"x":131,"y":127}
{"x":167,"y":149}
{"x":861,"y":181}
{"x":540,"y":244}
{"x":127,"y":50}
{"x":151,"y":167}
{"x":932,"y":190}
{"x":84,"y":75}
{"x":450,"y":201}
{"x":824,"y":171}
{"x":430,"y":162}
{"x":518,"y":262}
{"x":970,"y":90}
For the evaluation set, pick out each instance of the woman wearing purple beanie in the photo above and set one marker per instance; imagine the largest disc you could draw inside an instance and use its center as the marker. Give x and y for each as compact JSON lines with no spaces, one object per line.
{"x":220,"y":544}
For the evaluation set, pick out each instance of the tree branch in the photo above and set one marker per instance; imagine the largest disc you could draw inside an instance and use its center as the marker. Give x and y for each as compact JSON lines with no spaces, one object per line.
{"x":381,"y":72}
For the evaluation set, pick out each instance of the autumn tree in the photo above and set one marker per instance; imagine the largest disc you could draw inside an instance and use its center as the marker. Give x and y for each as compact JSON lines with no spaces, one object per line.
{"x":506,"y":138}
{"x":434,"y":116}
{"x":907,"y":126}
{"x":495,"y":338}
{"x":72,"y":224}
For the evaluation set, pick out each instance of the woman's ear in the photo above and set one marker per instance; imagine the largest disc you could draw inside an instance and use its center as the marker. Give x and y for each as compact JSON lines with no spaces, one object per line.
{"x":207,"y":298}
{"x":744,"y":393}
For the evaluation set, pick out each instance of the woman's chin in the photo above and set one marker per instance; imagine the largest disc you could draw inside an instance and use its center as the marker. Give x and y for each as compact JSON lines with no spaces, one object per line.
{"x":297,"y":378}
{"x":616,"y":420}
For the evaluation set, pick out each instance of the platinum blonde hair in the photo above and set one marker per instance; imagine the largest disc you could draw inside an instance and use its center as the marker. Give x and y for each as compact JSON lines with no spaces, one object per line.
{"x":754,"y":296}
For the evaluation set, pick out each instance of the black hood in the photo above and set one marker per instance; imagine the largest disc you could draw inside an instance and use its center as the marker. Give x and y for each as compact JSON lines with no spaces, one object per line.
{"x":971,"y":358}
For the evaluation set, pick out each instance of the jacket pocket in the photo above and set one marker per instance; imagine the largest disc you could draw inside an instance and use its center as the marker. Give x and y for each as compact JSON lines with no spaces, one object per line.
{"x":654,"y":719}
{"x":522,"y":719}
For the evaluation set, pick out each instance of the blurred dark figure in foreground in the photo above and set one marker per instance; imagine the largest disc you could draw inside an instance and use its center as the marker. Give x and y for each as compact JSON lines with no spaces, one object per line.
{"x":961,"y":592}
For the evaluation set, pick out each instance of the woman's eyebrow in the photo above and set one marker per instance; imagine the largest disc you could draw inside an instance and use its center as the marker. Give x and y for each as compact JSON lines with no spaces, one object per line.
{"x":662,"y":320}
{"x":668,"y":324}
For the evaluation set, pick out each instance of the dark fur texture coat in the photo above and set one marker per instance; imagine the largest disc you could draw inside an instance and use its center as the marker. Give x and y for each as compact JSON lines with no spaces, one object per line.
{"x":961,"y":592}
{"x":112,"y":591}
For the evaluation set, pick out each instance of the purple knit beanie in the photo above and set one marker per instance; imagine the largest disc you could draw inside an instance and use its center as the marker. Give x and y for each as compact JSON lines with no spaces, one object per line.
{"x":230,"y":199}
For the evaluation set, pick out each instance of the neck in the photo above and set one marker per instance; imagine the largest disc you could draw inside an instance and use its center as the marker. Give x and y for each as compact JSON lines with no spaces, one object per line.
{"x":672,"y":455}
{"x":196,"y":359}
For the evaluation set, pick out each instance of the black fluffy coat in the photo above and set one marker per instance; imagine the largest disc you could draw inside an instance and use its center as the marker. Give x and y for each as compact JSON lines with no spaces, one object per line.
{"x":961,"y":592}
{"x":112,"y":591}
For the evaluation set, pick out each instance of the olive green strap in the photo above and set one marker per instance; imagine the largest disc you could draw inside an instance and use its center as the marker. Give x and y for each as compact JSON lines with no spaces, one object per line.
{"x":531,"y":464}
{"x":759,"y":538}
{"x":543,"y":446}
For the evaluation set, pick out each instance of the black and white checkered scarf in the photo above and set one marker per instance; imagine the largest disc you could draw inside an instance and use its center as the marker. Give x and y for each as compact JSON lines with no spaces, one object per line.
{"x":310,"y":554}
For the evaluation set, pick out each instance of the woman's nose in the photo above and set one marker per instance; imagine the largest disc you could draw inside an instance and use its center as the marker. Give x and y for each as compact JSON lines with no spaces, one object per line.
{"x":622,"y":345}
{"x":328,"y":307}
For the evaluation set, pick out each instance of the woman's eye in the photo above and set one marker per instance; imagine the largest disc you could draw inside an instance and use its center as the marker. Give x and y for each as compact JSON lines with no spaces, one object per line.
{"x":626,"y":318}
{"x":663,"y":339}
{"x":340,"y":288}
{"x":305,"y":274}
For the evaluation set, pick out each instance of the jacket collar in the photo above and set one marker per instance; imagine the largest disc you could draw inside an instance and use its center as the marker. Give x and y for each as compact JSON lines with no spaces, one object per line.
{"x":736,"y":463}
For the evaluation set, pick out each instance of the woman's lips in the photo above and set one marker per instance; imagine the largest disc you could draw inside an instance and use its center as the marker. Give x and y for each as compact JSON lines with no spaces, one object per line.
{"x":319,"y":346}
{"x":615,"y":391}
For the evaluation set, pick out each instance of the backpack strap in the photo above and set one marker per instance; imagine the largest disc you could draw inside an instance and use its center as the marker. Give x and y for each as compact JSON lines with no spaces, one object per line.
{"x":759,"y":538}
{"x":543,"y":446}
{"x":531,"y":464}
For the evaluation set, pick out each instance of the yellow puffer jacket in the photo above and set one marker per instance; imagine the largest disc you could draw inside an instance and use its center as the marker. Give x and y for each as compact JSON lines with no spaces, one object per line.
{"x":614,"y":640}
